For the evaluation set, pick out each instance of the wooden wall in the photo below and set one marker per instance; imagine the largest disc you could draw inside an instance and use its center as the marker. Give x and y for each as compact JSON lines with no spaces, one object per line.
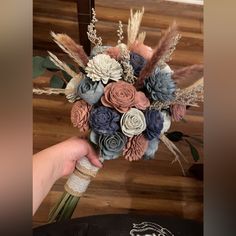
{"x":147,"y":187}
{"x":61,"y":16}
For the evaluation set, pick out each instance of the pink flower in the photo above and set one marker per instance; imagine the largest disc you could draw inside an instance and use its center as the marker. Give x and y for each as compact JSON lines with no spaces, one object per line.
{"x":178,"y":112}
{"x":114,"y":52}
{"x":141,"y":49}
{"x":80,"y":114}
{"x":135,"y":147}
{"x":122,"y":96}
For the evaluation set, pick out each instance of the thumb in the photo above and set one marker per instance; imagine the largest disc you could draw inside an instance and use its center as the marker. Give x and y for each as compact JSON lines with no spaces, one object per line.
{"x":93,"y":157}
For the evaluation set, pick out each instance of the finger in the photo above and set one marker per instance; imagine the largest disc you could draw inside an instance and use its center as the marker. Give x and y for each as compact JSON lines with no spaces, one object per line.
{"x":93,"y":157}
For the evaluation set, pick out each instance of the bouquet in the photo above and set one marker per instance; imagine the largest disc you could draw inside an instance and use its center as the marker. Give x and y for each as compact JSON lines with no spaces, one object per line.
{"x":124,"y":97}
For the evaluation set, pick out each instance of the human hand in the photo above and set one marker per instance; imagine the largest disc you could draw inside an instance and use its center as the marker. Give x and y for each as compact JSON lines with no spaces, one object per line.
{"x":57,"y":161}
{"x":72,"y":150}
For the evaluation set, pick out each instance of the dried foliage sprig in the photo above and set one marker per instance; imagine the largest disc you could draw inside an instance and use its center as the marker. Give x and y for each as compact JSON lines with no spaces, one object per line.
{"x":61,"y":65}
{"x":162,"y":48}
{"x":127,"y":67}
{"x":167,"y":56}
{"x":68,"y":45}
{"x":189,"y":96}
{"x":134,"y":25}
{"x":48,"y":91}
{"x":141,"y":37}
{"x":120,"y":33}
{"x":92,"y":32}
{"x":177,"y":153}
{"x":187,"y":71}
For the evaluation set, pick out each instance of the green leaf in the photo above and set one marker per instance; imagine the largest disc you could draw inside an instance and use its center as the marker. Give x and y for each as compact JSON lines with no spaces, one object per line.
{"x":175,"y":136}
{"x":38,"y":68}
{"x":56,"y":82}
{"x":197,"y":139}
{"x":49,"y":65}
{"x":194,"y":151}
{"x":66,"y":76}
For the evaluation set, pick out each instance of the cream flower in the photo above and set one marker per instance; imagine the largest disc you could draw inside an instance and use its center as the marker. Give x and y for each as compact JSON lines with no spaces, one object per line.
{"x":167,"y":121}
{"x":133,"y":122}
{"x":103,"y":68}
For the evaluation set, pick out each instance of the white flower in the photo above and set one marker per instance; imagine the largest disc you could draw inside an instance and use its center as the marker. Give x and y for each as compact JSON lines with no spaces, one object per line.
{"x":103,"y":67}
{"x":71,"y":88}
{"x":167,"y":121}
{"x":133,"y":122}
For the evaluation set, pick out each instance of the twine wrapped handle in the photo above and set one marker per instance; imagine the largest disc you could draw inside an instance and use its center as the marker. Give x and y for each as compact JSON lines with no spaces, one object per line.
{"x":79,"y":180}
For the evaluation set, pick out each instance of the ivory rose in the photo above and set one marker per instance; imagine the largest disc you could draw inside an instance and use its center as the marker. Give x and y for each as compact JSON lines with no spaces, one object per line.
{"x":133,"y":122}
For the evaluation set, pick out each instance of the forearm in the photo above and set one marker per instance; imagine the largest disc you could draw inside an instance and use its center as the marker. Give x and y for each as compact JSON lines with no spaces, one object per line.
{"x":47,"y":168}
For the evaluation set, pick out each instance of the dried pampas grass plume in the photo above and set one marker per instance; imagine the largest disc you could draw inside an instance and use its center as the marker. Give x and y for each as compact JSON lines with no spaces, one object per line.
{"x":133,"y":25}
{"x":61,"y":65}
{"x":141,"y":37}
{"x":159,"y":52}
{"x":187,"y":71}
{"x":69,"y":46}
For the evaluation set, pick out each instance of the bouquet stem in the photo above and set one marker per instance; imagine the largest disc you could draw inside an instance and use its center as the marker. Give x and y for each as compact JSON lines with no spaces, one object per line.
{"x":75,"y":186}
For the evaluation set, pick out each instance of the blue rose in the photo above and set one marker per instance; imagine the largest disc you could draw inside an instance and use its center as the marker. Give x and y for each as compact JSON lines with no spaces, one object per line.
{"x":111,"y":146}
{"x":151,"y":149}
{"x":104,"y":120}
{"x":154,"y":121}
{"x":90,"y":91}
{"x":137,"y":62}
{"x":160,"y":85}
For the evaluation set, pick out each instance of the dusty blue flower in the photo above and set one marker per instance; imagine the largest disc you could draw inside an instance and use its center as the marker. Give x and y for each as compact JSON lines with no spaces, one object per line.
{"x":111,"y":146}
{"x":154,"y":121}
{"x":137,"y":62}
{"x":160,"y":85}
{"x":90,"y":91}
{"x":104,"y":120}
{"x":151,"y":149}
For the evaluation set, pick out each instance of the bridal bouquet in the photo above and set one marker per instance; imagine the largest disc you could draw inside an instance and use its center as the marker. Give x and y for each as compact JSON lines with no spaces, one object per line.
{"x":124,"y":98}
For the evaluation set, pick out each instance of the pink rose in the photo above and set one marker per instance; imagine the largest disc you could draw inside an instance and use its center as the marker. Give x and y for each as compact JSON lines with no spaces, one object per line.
{"x":80,"y":114}
{"x":114,"y":52}
{"x":141,"y":49}
{"x":135,"y":148}
{"x":122,"y":96}
{"x":178,"y":112}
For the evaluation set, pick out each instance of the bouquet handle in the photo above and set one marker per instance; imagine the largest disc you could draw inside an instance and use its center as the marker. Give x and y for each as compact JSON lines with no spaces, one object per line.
{"x":75,"y":187}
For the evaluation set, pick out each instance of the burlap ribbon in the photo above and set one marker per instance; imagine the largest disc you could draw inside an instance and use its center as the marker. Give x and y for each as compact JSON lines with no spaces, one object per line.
{"x":79,"y":180}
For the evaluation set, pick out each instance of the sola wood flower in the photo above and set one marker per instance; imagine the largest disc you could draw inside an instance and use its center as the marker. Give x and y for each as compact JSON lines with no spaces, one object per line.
{"x":133,"y":122}
{"x":166,"y":121}
{"x":90,"y":91}
{"x":122,"y":96}
{"x":135,"y":148}
{"x":160,"y":85}
{"x":141,"y":49}
{"x":114,"y":52}
{"x":178,"y":111}
{"x":79,"y":115}
{"x":103,"y":68}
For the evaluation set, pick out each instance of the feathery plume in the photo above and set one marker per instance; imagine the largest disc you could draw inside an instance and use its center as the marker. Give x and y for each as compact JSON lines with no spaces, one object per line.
{"x":163,"y":46}
{"x":187,"y":71}
{"x":141,"y":37}
{"x":61,"y":65}
{"x":69,"y":46}
{"x":133,"y":25}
